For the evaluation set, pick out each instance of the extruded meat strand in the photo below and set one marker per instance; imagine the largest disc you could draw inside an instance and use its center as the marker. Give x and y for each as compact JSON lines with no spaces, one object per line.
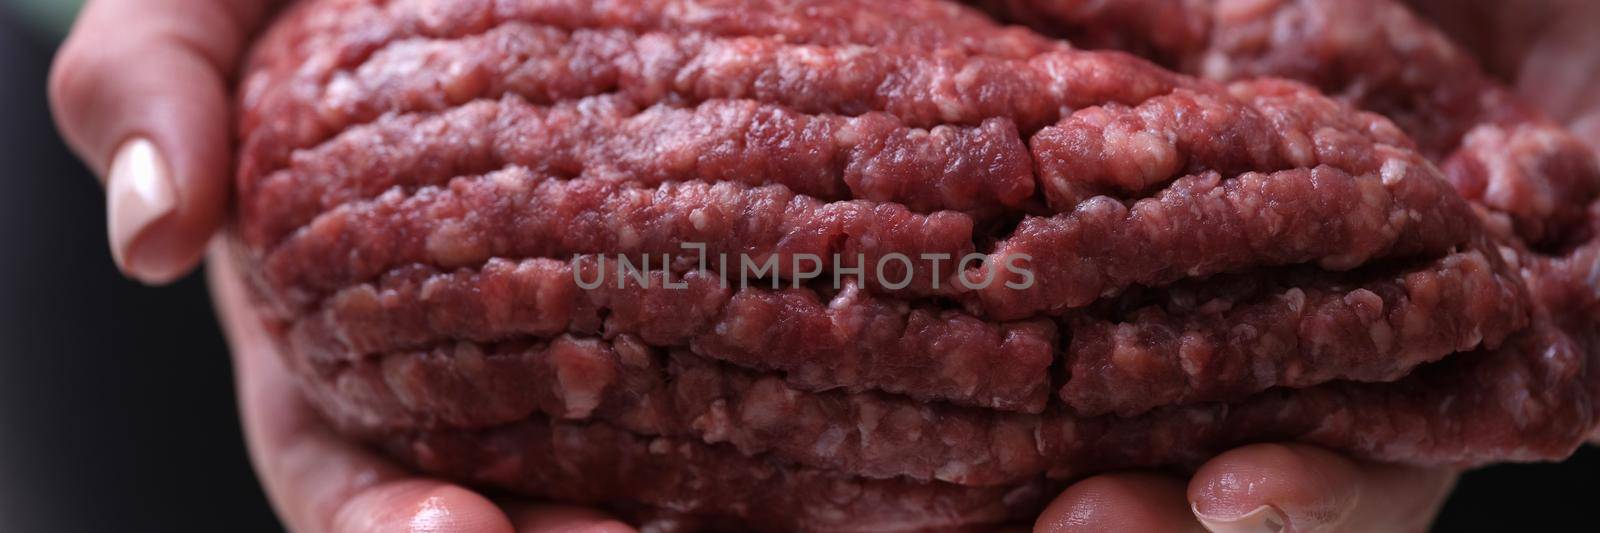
{"x":626,"y":384}
{"x":1379,"y":56}
{"x":1535,"y":402}
{"x":853,"y":340}
{"x":517,"y":213}
{"x":1533,"y":171}
{"x":1204,"y":225}
{"x":982,"y":169}
{"x":1257,"y":125}
{"x":1224,"y":350}
{"x":435,"y":196}
{"x":922,"y":87}
{"x":598,"y":464}
{"x":873,"y":435}
{"x":1530,"y":399}
{"x":1119,"y":150}
{"x":1304,"y":117}
{"x":314,"y":42}
{"x":1373,"y":53}
{"x":1404,"y":68}
{"x":968,"y":360}
{"x":414,"y":150}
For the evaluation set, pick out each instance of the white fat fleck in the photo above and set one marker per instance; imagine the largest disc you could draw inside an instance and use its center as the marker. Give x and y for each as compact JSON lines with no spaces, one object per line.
{"x":698,"y":218}
{"x":954,"y":471}
{"x":430,"y":288}
{"x":847,"y":136}
{"x":1394,"y":170}
{"x":627,"y":236}
{"x":1216,"y":66}
{"x":845,"y":299}
{"x":969,"y":77}
{"x":1299,"y":149}
{"x":691,"y":12}
{"x":1474,"y":338}
{"x":1296,"y":299}
{"x":510,"y":179}
{"x":450,"y":245}
{"x":949,"y":107}
{"x":341,"y":90}
{"x":1187,"y":354}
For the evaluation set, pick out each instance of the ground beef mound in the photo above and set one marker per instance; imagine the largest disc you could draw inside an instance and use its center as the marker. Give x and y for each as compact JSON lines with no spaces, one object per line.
{"x":1402,"y":271}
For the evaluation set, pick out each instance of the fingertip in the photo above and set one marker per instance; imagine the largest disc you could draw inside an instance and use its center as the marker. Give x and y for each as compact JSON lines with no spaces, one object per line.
{"x":141,"y":204}
{"x":1119,"y":502}
{"x":419,"y":506}
{"x":1271,"y":487}
{"x":549,"y":518}
{"x":146,"y":106}
{"x":167,"y":189}
{"x":160,"y":255}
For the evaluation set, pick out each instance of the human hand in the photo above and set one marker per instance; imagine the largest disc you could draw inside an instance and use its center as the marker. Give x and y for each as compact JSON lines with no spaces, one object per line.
{"x":140,"y":90}
{"x":146,"y":106}
{"x":319,"y":481}
{"x":1548,"y":51}
{"x":1257,"y":488}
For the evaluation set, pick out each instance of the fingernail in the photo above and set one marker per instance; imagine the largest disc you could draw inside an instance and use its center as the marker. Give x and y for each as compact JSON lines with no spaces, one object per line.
{"x":1264,"y":519}
{"x":139,"y":193}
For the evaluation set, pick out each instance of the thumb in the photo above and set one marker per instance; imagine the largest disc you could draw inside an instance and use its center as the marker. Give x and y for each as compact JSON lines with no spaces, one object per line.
{"x":1295,"y":487}
{"x":139,"y":90}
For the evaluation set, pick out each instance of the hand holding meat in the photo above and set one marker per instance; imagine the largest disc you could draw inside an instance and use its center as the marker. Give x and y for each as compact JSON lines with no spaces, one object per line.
{"x":1212,"y":259}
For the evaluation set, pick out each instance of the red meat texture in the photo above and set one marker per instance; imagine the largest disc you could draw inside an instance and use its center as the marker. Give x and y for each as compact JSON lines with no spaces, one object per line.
{"x":1167,"y":228}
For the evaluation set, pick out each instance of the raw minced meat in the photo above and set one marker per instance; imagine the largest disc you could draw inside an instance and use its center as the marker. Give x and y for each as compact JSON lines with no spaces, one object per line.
{"x":1144,"y":261}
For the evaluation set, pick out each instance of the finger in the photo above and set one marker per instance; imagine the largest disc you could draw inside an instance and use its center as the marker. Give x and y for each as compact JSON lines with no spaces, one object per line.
{"x":551,"y":518}
{"x":419,"y":505}
{"x":1119,"y":502}
{"x":1273,"y":487}
{"x":316,"y":480}
{"x":139,"y":91}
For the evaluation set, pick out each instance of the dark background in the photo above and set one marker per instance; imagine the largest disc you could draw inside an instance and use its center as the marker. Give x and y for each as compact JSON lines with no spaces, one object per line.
{"x":116,"y":401}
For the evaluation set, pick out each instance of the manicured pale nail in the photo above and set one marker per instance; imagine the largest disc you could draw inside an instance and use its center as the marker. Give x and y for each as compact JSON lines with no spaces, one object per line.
{"x":1264,"y":519}
{"x":139,"y":193}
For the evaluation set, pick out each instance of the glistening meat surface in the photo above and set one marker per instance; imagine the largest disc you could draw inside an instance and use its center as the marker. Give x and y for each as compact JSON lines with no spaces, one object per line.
{"x":435,"y":198}
{"x":853,"y":339}
{"x":1375,"y":54}
{"x":981,"y":169}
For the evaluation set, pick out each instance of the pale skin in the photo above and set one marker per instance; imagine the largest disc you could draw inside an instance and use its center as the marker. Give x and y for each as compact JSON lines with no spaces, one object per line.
{"x":140,"y":92}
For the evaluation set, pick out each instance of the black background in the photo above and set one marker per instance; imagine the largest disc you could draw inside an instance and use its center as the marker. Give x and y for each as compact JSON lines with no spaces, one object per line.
{"x":116,"y":403}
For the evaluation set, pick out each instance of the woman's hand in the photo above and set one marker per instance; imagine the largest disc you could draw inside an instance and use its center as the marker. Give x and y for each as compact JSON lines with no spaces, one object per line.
{"x":318,"y":481}
{"x":1259,"y":488}
{"x":1549,"y":52}
{"x":141,"y":91}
